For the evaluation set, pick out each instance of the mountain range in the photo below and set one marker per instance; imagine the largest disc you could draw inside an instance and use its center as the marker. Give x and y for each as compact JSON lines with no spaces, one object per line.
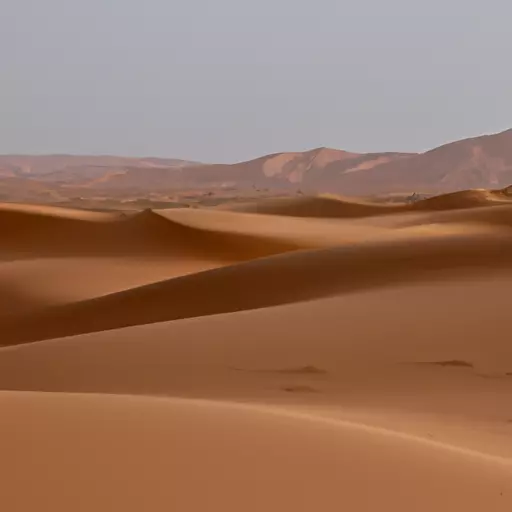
{"x":479,"y":162}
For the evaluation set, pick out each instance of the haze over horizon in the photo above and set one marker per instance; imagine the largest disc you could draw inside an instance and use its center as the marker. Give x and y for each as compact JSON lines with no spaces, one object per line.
{"x":231,"y":81}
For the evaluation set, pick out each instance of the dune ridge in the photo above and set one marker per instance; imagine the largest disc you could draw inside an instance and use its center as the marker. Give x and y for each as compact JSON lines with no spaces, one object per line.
{"x":281,"y":279}
{"x":45,"y":231}
{"x":333,"y":207}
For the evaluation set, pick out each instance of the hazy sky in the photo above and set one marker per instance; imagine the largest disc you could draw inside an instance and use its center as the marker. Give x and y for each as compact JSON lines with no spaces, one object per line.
{"x":226,"y":80}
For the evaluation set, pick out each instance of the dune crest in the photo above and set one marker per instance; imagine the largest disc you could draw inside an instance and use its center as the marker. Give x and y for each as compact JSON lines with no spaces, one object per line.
{"x":332,"y":207}
{"x":32,"y":231}
{"x":285,"y":278}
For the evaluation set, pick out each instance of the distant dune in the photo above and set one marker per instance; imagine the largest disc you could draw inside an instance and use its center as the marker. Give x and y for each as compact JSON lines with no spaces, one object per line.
{"x":329,"y":207}
{"x":322,"y":207}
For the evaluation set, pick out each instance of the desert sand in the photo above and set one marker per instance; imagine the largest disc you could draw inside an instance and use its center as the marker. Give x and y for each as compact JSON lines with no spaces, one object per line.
{"x":301,"y":354}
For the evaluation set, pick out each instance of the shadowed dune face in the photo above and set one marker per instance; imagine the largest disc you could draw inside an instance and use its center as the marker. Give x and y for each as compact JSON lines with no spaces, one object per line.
{"x":301,"y":354}
{"x":271,"y":281}
{"x":30,"y":284}
{"x":45,"y":231}
{"x":410,"y":248}
{"x":369,"y":343}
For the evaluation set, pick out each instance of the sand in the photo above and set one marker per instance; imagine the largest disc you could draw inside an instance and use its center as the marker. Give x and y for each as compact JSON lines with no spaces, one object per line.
{"x":227,"y":360}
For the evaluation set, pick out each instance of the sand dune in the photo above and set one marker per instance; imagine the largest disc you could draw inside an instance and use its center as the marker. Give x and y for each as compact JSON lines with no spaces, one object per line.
{"x":329,"y":354}
{"x":136,"y":454}
{"x":45,"y":231}
{"x":316,"y":207}
{"x":31,"y":284}
{"x":299,"y":232}
{"x":56,"y":255}
{"x":486,"y":216}
{"x":373,"y":353}
{"x":281,"y":279}
{"x":465,"y":199}
{"x":50,"y":253}
{"x":256,"y":353}
{"x":331,"y":207}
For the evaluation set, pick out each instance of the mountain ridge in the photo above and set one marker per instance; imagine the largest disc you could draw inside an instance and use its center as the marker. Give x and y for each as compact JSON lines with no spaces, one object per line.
{"x":478,"y":162}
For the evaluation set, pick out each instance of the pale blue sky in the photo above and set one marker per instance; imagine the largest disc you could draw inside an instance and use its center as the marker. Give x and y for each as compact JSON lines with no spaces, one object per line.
{"x":226,"y":80}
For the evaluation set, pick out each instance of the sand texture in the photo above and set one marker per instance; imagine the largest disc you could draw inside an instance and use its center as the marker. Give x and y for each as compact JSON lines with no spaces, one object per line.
{"x":299,"y":354}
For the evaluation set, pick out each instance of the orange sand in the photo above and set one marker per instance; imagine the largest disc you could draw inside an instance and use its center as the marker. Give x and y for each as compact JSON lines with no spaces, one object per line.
{"x":326,"y":355}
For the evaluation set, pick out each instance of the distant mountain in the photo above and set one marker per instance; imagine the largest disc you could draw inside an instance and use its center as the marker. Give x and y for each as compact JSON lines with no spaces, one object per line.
{"x":480,"y":162}
{"x":286,"y":171}
{"x":64,"y":167}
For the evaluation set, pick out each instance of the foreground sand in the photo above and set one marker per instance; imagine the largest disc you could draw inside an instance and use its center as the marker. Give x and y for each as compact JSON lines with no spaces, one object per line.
{"x":278,"y":362}
{"x":107,"y":453}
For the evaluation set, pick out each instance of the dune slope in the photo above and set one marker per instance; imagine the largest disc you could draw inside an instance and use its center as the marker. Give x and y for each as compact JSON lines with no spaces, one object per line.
{"x":31,"y":284}
{"x":373,"y":341}
{"x":281,"y":279}
{"x":46,"y":231}
{"x":130,"y":454}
